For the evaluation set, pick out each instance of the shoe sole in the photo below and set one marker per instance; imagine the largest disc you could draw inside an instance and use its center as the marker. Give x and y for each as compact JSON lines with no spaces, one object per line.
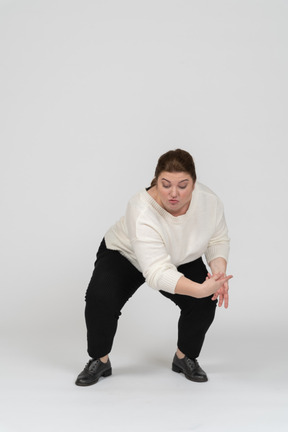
{"x":177,"y":369}
{"x":104,"y":375}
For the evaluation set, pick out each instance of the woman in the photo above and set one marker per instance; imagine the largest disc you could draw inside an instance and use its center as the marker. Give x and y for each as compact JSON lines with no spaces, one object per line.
{"x":161,"y":239}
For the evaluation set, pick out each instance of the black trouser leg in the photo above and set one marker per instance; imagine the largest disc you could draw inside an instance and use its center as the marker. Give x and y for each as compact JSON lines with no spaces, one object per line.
{"x":113,"y":282}
{"x":196,"y":314}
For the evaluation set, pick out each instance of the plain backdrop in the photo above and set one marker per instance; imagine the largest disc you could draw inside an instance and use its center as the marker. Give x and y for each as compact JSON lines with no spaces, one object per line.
{"x":92,"y":93}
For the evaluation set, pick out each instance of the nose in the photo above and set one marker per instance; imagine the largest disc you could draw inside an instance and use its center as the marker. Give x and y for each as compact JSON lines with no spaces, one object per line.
{"x":173,"y":192}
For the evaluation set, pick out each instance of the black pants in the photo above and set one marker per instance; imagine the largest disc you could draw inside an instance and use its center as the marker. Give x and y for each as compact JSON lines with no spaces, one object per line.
{"x":115,"y":280}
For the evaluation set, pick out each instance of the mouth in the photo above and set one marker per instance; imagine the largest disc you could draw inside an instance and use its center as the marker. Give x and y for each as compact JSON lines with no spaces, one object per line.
{"x":173,"y":201}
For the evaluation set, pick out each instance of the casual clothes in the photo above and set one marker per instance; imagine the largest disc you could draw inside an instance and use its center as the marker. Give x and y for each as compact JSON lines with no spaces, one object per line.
{"x":149,"y":244}
{"x":156,"y":242}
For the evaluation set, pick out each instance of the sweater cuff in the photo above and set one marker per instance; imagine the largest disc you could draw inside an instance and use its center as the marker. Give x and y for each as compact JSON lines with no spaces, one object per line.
{"x":168,"y":281}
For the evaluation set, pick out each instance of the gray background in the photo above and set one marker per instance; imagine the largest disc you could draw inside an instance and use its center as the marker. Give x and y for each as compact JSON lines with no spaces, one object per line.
{"x":92,"y":93}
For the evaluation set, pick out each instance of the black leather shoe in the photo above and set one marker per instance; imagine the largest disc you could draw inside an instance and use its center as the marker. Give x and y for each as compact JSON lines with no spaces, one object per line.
{"x":190,"y":368}
{"x":93,"y":371}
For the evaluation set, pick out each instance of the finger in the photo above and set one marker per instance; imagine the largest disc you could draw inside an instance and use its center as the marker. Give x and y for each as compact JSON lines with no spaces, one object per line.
{"x":224,"y":279}
{"x":220,"y":300}
{"x":218,"y":276}
{"x":226,"y":295}
{"x":226,"y":300}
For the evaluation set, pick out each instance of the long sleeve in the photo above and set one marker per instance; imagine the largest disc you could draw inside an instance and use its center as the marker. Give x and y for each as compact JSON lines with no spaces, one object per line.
{"x":151,"y":253}
{"x":157,"y":243}
{"x":219,"y":243}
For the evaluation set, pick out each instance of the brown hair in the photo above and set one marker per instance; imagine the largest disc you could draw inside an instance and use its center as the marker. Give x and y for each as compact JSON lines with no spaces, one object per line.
{"x":175,"y":161}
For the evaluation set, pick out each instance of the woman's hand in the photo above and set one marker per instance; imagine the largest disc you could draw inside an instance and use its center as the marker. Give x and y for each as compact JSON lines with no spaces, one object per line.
{"x":218,"y":286}
{"x":221,"y":294}
{"x":211,"y":286}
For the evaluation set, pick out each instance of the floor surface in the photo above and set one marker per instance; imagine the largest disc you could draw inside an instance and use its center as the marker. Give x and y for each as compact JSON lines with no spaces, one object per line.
{"x":244,"y":393}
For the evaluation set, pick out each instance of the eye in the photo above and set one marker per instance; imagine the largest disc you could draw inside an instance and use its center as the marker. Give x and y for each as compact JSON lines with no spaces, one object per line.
{"x":182,"y":187}
{"x":165,"y":185}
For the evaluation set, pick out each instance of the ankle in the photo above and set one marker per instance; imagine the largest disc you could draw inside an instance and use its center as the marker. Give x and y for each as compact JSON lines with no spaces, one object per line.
{"x":179,"y":354}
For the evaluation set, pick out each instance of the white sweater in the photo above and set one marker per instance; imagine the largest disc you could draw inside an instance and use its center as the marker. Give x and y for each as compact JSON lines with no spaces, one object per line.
{"x":156,"y":242}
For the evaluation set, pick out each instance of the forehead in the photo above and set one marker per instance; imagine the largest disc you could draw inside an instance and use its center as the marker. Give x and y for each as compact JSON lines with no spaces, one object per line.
{"x":175,"y":176}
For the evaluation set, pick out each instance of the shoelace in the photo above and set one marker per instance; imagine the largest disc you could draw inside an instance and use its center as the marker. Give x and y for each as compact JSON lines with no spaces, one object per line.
{"x":192,"y":363}
{"x":92,"y":368}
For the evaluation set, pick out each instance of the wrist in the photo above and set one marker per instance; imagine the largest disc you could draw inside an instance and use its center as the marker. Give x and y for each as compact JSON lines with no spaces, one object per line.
{"x":218,"y":265}
{"x":188,"y":287}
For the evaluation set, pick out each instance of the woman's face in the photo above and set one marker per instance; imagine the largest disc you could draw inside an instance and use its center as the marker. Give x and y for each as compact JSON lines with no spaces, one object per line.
{"x":174,"y":191}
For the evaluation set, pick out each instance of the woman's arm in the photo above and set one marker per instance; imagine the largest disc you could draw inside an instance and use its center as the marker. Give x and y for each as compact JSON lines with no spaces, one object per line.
{"x":219,"y":265}
{"x":211,"y":286}
{"x":145,"y":234}
{"x":217,"y":254}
